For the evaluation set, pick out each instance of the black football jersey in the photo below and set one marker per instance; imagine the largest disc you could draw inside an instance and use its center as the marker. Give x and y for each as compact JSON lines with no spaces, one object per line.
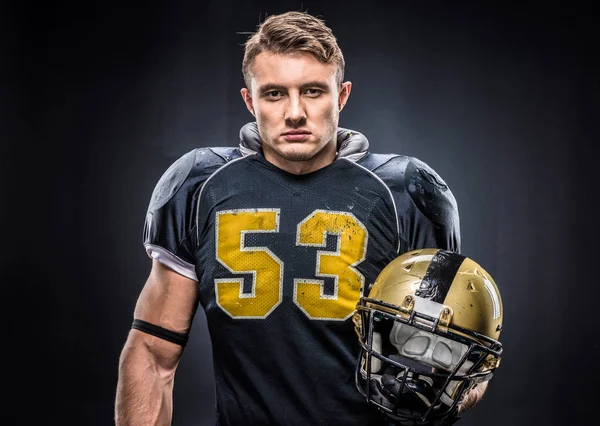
{"x":281,"y":261}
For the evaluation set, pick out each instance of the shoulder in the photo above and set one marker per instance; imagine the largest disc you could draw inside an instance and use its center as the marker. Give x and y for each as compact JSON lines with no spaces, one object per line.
{"x":189,"y":172}
{"x":430,"y":193}
{"x":169,"y":220}
{"x":413,"y":180}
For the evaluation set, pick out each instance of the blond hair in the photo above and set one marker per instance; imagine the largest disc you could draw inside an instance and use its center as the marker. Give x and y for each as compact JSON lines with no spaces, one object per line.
{"x":293,"y":32}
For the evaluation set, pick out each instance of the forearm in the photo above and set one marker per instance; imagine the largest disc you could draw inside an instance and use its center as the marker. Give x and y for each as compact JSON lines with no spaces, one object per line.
{"x":473,"y":397}
{"x":144,"y":389}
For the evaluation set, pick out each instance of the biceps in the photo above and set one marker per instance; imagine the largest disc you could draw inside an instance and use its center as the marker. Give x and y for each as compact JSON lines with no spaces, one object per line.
{"x":168,"y":300}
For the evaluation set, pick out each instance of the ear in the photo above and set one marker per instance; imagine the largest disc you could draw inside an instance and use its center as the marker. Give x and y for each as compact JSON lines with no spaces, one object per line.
{"x":247,"y":100}
{"x":344,"y":94}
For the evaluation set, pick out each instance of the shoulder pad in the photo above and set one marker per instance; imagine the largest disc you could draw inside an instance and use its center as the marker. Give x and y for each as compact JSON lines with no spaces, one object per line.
{"x":373,"y":161}
{"x":169,"y":220}
{"x":226,"y":153}
{"x":429,"y":192}
{"x":427,"y":210}
{"x":171,"y":180}
{"x":192,"y":168}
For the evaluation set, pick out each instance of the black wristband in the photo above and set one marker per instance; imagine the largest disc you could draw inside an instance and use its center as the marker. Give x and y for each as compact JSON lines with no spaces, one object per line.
{"x":162,"y":333}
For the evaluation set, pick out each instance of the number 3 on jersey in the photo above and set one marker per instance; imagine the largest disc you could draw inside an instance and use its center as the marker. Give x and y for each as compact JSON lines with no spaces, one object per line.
{"x":267,"y":269}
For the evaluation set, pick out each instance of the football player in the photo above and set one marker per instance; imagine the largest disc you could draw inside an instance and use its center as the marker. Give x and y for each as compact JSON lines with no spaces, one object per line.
{"x":277,"y":239}
{"x":429,"y":336}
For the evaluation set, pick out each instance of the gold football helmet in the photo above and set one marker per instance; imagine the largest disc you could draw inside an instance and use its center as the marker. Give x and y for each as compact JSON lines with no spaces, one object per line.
{"x":428,"y":333}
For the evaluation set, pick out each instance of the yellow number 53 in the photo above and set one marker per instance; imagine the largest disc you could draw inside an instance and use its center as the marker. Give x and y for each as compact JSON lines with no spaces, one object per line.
{"x":266,"y":268}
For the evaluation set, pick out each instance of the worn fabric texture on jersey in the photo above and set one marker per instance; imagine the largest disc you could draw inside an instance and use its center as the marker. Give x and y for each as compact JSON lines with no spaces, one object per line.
{"x":281,"y":261}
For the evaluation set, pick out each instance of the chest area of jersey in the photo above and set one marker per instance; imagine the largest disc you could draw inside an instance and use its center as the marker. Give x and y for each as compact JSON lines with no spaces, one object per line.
{"x":314,"y":245}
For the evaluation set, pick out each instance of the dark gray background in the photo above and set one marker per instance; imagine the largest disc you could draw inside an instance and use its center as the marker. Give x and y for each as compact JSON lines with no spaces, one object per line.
{"x":100,"y":98}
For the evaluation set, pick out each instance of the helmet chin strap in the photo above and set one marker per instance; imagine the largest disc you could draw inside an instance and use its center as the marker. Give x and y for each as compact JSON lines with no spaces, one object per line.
{"x":415,"y":396}
{"x":418,"y":391}
{"x":383,"y":390}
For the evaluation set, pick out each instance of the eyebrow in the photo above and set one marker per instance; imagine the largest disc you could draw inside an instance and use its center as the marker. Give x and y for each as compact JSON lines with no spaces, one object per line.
{"x":271,"y":86}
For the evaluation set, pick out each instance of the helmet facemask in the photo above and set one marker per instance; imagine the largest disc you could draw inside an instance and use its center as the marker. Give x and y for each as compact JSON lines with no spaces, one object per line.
{"x":415,"y":370}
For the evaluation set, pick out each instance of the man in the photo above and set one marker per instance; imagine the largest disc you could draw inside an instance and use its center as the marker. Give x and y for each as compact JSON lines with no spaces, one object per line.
{"x":277,"y":240}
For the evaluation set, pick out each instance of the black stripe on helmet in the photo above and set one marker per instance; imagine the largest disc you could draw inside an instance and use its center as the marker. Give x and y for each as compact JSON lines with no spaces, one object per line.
{"x":439,"y":275}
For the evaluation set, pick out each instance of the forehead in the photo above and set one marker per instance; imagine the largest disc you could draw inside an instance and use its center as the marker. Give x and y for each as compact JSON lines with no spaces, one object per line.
{"x":290,"y":69}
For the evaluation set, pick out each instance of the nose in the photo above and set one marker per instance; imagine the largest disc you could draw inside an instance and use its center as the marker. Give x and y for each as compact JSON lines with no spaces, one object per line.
{"x":295,"y":112}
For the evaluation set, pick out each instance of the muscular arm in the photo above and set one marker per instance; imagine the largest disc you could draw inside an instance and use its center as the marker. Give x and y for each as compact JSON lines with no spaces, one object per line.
{"x":147,"y":364}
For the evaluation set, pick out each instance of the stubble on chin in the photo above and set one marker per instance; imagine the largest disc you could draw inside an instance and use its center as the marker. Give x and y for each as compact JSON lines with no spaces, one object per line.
{"x":298,"y":155}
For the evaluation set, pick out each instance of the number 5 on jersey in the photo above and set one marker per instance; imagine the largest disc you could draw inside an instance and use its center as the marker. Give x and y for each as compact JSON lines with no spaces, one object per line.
{"x":267,"y":269}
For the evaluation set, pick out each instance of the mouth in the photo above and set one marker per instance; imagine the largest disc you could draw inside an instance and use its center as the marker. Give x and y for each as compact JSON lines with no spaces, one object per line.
{"x":296,"y":135}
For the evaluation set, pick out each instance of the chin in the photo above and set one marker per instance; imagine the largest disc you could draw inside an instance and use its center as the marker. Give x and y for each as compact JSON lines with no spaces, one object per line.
{"x":298,"y":155}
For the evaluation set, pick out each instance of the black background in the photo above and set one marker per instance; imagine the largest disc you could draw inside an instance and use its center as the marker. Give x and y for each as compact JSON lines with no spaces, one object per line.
{"x":99,"y":98}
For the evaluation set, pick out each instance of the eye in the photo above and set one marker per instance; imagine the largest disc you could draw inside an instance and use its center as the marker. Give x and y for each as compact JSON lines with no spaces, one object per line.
{"x":273,"y":94}
{"x":313,"y":93}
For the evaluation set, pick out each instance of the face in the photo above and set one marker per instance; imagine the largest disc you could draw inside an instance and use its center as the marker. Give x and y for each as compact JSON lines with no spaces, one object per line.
{"x":296,"y":101}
